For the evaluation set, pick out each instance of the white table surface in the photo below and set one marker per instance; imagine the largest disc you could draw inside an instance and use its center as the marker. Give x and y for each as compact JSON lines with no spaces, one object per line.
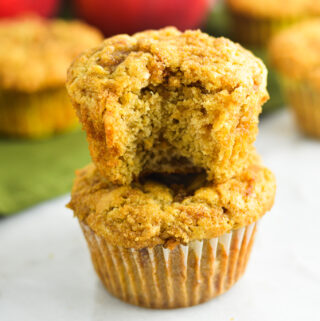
{"x":46,"y":273}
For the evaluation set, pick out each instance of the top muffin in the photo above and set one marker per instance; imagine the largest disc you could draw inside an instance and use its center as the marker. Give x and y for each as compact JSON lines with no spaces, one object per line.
{"x":295,"y":52}
{"x":274,"y":8}
{"x":35,"y":53}
{"x":170,"y":102}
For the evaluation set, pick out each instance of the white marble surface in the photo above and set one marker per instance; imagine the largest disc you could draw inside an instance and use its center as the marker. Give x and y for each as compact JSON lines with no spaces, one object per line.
{"x":46,"y":273}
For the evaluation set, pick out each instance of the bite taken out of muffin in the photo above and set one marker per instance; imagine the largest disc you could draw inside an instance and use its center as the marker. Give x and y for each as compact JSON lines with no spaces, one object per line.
{"x":170,"y":204}
{"x":34,"y":57}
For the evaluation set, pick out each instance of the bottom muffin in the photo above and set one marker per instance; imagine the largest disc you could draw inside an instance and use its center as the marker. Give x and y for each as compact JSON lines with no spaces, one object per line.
{"x":36,"y":115}
{"x":171,"y":241}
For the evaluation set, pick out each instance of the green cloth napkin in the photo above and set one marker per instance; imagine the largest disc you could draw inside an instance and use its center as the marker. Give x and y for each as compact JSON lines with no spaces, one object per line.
{"x":33,"y":171}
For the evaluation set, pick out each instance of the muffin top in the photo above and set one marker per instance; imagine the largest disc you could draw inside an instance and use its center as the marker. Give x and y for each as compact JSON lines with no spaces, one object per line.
{"x":35,"y":53}
{"x":165,"y":97}
{"x":295,"y":52}
{"x":169,"y":209}
{"x":129,"y":63}
{"x":275,"y":8}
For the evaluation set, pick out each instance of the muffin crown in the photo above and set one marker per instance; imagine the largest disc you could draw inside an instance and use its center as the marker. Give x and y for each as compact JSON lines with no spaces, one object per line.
{"x":127,"y":64}
{"x":35,"y":53}
{"x":295,"y":52}
{"x":168,"y":212}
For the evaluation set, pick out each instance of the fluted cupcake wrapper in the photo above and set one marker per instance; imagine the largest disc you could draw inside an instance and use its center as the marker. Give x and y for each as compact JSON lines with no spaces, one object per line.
{"x":305,"y":103}
{"x":170,"y":278}
{"x":257,"y":32}
{"x":36,"y":114}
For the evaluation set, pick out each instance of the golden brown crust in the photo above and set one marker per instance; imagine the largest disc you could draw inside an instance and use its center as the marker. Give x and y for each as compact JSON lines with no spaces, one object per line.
{"x":295,"y":52}
{"x":275,"y":9}
{"x":150,"y":213}
{"x":35,"y":53}
{"x":165,"y":97}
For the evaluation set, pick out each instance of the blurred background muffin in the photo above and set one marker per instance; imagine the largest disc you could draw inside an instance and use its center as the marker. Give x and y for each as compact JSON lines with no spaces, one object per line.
{"x":35,"y":54}
{"x":295,"y":53}
{"x":254,"y":22}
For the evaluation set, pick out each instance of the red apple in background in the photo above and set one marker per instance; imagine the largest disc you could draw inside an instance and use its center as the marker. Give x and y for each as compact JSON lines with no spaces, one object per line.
{"x":10,"y":8}
{"x":129,"y":16}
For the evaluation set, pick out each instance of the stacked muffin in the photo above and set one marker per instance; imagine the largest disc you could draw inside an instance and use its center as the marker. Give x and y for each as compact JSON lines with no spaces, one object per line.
{"x":35,"y":54}
{"x":170,"y":204}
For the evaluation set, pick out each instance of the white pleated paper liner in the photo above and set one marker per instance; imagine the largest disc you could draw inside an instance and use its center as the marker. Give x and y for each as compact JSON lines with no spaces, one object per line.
{"x":163,"y":278}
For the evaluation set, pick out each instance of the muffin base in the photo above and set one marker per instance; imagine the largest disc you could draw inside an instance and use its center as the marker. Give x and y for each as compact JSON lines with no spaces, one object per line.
{"x":165,"y":278}
{"x":36,"y":115}
{"x":257,"y":32}
{"x":305,"y":103}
